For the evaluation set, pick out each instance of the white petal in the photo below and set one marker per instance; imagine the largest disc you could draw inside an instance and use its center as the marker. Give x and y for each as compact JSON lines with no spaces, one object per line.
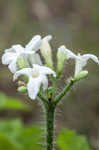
{"x":44,"y":82}
{"x":90,"y":56}
{"x":11,"y":54}
{"x":38,"y":59}
{"x":45,"y":46}
{"x":8,"y":57}
{"x":79,"y":64}
{"x":33,"y":87}
{"x":18,"y":48}
{"x":10,"y":50}
{"x":35,"y":59}
{"x":25,"y":71}
{"x":34,"y":44}
{"x":44,"y":70}
{"x":13,"y":66}
{"x":68,"y":52}
{"x":48,"y":37}
{"x":29,"y":52}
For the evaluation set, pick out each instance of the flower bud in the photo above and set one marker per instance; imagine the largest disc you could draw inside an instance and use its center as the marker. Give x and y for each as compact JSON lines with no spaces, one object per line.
{"x":22,"y":62}
{"x":47,"y":52}
{"x":61,"y":56}
{"x":22,"y":89}
{"x":81,"y":75}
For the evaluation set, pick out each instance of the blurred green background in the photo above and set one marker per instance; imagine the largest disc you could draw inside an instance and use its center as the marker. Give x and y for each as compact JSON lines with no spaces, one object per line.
{"x":73,"y":23}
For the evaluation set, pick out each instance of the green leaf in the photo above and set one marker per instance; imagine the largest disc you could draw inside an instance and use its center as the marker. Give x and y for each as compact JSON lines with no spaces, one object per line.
{"x":11,"y":129}
{"x":11,"y":126}
{"x":68,"y":140}
{"x":31,"y":138}
{"x":19,"y":137}
{"x":6,"y":144}
{"x":12,"y":103}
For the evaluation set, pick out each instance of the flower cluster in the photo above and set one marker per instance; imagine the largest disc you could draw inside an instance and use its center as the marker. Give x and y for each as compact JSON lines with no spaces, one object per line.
{"x":27,"y":62}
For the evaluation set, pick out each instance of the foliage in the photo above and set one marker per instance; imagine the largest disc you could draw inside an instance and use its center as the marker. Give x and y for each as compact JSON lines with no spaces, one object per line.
{"x":14,"y":136}
{"x":68,"y":140}
{"x":12,"y":103}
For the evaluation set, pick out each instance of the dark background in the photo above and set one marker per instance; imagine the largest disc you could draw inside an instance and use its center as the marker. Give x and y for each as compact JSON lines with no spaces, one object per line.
{"x":74,"y":23}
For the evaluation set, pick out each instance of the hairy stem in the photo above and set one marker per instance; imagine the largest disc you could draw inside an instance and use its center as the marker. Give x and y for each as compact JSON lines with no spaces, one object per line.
{"x":42,"y":98}
{"x":50,"y":110}
{"x":54,"y":86}
{"x":50,"y":106}
{"x":65,"y":90}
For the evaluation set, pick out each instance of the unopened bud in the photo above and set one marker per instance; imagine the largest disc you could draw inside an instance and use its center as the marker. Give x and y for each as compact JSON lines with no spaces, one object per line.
{"x":46,"y":51}
{"x":49,"y":92}
{"x":61,"y":56}
{"x":22,"y":89}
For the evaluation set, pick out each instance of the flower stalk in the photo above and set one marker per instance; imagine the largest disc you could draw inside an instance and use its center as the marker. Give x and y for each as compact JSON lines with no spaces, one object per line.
{"x":50,"y":107}
{"x":50,"y":112}
{"x":65,"y":90}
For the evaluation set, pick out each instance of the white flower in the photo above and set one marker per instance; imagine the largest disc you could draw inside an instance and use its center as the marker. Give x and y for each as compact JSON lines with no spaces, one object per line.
{"x":80,"y":61}
{"x":10,"y":56}
{"x":37,"y":76}
{"x":69,"y":54}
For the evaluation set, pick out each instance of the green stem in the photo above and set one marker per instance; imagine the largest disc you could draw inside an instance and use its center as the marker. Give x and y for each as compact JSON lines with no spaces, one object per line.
{"x":50,"y":110}
{"x":42,"y":98}
{"x":54,"y":86}
{"x":65,"y":90}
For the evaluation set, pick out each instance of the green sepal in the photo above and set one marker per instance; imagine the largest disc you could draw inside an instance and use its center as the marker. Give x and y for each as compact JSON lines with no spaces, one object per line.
{"x":81,"y":75}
